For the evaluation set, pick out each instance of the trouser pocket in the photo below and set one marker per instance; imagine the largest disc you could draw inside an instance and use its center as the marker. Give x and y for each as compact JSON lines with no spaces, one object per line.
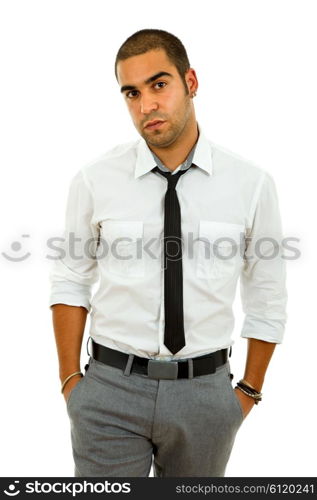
{"x":233,"y":393}
{"x":77,"y":387}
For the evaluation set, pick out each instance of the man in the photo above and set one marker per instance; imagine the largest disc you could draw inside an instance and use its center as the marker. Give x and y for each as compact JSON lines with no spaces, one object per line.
{"x":168,"y":223}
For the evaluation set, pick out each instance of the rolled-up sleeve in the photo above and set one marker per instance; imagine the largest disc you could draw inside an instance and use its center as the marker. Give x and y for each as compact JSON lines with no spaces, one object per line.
{"x":74,"y":269}
{"x":263,"y":276}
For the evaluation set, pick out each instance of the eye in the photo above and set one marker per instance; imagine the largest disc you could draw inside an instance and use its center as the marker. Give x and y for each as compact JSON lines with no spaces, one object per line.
{"x":131,"y":94}
{"x":161,"y":84}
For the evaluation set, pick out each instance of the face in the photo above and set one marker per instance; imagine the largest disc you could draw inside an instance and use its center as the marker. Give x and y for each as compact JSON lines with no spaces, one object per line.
{"x":156,"y":97}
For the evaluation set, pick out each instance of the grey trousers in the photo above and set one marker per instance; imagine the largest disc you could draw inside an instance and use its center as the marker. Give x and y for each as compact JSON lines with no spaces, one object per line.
{"x":120,"y":423}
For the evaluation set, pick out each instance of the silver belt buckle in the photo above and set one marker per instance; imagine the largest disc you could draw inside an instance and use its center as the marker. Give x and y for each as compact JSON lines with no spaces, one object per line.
{"x":162,"y":369}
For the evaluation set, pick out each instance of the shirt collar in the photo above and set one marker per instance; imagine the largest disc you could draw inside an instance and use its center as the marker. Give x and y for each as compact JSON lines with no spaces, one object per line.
{"x":145,"y":161}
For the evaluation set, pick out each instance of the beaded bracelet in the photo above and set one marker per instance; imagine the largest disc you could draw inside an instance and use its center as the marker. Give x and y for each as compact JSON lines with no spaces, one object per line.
{"x":245,"y":382}
{"x":253,"y":393}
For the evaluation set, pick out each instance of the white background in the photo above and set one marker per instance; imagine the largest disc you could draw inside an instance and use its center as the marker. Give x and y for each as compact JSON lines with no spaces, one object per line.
{"x":61,"y":108}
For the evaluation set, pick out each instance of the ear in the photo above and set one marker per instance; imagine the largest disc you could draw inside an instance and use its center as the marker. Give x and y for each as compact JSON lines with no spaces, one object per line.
{"x":191,"y":81}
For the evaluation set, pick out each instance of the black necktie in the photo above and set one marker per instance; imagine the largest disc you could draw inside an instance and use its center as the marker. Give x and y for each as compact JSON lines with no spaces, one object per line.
{"x":174,"y":336}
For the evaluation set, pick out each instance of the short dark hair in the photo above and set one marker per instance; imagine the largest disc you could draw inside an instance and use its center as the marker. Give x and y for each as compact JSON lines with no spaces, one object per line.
{"x":153,"y":39}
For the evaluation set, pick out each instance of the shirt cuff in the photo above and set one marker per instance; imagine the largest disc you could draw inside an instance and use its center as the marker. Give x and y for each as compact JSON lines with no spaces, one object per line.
{"x":70,"y":293}
{"x":264,"y":329}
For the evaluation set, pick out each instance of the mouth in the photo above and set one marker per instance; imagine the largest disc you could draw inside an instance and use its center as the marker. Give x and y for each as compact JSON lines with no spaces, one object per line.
{"x":154,"y":124}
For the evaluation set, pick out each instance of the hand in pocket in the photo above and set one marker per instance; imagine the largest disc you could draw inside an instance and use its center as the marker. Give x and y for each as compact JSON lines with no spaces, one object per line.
{"x":70,"y":386}
{"x":246,"y":402}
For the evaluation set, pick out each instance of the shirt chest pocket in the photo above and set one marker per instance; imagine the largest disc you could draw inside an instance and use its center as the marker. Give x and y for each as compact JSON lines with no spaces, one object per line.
{"x":220,"y":249}
{"x":123,"y":247}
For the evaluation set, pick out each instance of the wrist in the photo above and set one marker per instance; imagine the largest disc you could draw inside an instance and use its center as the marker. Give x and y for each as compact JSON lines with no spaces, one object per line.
{"x":67,"y":371}
{"x":249,"y":391}
{"x":70,"y":377}
{"x":253,"y":382}
{"x":255,"y":387}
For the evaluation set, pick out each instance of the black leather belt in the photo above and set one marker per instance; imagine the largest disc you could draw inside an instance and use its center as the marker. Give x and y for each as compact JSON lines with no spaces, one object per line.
{"x":185,"y":368}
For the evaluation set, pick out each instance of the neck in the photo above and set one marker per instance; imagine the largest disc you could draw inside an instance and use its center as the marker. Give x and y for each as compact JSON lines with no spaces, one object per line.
{"x":177,"y":152}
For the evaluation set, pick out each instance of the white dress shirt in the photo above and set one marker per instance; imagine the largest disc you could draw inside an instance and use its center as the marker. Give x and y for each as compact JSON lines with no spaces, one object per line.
{"x":115,"y":210}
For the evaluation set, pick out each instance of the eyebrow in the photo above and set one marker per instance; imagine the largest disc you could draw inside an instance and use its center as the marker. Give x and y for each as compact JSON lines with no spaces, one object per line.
{"x":149,"y":80}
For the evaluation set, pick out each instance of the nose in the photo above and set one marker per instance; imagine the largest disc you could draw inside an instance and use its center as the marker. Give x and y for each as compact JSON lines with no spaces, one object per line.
{"x":148,"y":104}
